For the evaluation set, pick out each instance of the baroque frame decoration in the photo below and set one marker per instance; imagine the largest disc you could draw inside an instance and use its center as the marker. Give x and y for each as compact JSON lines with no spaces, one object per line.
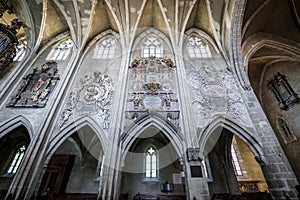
{"x":36,"y":86}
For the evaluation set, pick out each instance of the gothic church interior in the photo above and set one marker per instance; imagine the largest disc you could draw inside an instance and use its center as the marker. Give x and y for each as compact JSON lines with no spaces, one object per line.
{"x":149,"y":99}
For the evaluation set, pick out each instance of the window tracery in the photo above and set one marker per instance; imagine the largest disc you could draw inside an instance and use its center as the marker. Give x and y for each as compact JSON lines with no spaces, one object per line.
{"x":152,"y":47}
{"x":105,"y":49}
{"x":197,"y":48}
{"x":61,"y":51}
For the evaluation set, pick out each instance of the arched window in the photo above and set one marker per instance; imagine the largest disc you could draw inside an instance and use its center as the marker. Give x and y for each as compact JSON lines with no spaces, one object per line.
{"x":15,"y":163}
{"x":151,"y":163}
{"x":105,"y":49}
{"x":61,"y":51}
{"x":237,"y":161}
{"x":197,"y":48}
{"x":21,"y":51}
{"x":152,"y":47}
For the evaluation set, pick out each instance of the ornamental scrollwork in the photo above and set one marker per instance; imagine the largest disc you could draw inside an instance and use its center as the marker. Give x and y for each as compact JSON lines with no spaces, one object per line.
{"x":91,"y":96}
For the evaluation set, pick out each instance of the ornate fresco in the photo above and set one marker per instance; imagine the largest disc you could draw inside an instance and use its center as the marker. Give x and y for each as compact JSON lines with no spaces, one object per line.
{"x":152,"y":89}
{"x":36,"y":87}
{"x":91,"y":96}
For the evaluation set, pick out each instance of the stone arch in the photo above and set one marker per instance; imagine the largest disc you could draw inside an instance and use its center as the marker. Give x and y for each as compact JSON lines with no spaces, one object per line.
{"x":261,"y":40}
{"x":149,"y":131}
{"x":99,"y":38}
{"x":235,"y":128}
{"x":76,"y":152}
{"x":143,"y":123}
{"x":290,"y":52}
{"x":202,"y":34}
{"x":15,"y":122}
{"x":217,"y":144}
{"x":69,"y":130}
{"x":53,"y":41}
{"x":15,"y":139}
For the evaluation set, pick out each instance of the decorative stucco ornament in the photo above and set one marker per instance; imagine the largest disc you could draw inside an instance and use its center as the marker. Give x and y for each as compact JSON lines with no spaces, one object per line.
{"x":91,"y":96}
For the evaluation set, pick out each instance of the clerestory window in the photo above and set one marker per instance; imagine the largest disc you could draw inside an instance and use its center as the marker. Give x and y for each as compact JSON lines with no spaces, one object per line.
{"x":152,"y":47}
{"x":15,"y":163}
{"x":105,"y":49}
{"x":197,"y":48}
{"x":151,"y":163}
{"x":61,"y":51}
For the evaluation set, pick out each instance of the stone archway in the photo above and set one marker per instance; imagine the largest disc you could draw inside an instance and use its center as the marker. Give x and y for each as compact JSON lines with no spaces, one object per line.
{"x":232,"y":169}
{"x":137,"y":182}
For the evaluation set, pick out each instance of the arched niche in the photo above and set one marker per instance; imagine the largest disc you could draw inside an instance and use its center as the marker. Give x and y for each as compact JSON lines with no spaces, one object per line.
{"x":73,"y":165}
{"x":138,"y":178}
{"x":13,"y":146}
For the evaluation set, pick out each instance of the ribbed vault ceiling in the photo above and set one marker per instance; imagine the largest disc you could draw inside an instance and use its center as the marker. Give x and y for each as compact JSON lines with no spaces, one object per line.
{"x":84,"y":19}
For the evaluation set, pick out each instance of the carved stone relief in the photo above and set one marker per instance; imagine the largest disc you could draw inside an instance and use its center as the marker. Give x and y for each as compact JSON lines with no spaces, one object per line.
{"x":91,"y":96}
{"x":36,"y":87}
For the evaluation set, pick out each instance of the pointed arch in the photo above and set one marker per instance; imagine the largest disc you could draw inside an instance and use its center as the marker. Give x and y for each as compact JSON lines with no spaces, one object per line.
{"x":213,"y":130}
{"x":60,"y":37}
{"x":261,"y":40}
{"x":155,"y":33}
{"x":204,"y":35}
{"x":13,"y":123}
{"x":69,"y":130}
{"x":145,"y":122}
{"x":100,"y":37}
